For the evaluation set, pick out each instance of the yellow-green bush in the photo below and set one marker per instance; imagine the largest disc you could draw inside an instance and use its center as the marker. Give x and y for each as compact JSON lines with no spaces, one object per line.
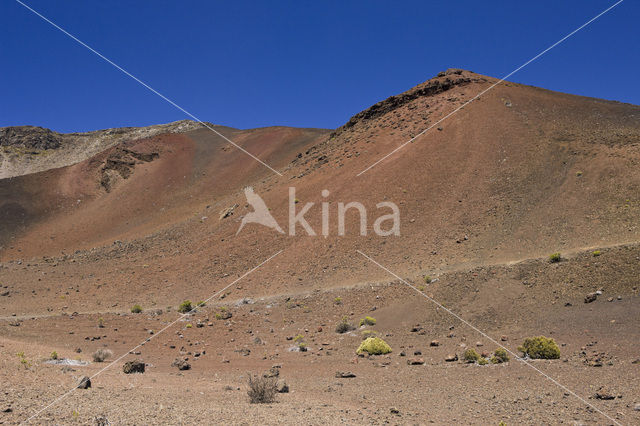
{"x":499,"y":356}
{"x":555,"y":257}
{"x":368,"y":333}
{"x":367,"y":321}
{"x":470,"y":355}
{"x":374,"y":346}
{"x":540,"y":348}
{"x":136,"y":309}
{"x":185,"y":307}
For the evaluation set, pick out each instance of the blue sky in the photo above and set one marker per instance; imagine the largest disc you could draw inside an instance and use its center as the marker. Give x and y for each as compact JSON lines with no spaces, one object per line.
{"x":296,"y":63}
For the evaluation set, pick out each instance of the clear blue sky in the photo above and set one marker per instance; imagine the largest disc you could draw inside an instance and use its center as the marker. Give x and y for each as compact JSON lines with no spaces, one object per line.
{"x":297,"y":63}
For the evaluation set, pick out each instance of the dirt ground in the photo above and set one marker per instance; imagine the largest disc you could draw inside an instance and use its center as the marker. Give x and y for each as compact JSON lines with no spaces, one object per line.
{"x":484,"y":199}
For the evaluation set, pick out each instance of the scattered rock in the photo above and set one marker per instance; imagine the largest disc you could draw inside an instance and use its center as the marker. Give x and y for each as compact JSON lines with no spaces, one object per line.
{"x":131,"y":367}
{"x":591,"y":297}
{"x":604,"y":394}
{"x":227,"y":212}
{"x":415,"y":361}
{"x":434,"y":343}
{"x":344,"y":375}
{"x":182,"y":364}
{"x":282,"y":386}
{"x":451,"y":358}
{"x":394,"y":410}
{"x":273,"y":372}
{"x":85,"y":383}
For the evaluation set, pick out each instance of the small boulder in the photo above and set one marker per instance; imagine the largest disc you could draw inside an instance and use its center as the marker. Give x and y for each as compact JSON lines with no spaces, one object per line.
{"x":282,"y":386}
{"x":344,"y":375}
{"x":604,"y":394}
{"x":85,"y":383}
{"x":434,"y":343}
{"x":451,"y":358}
{"x":182,"y":364}
{"x":415,"y":361}
{"x":131,"y":367}
{"x":591,"y":297}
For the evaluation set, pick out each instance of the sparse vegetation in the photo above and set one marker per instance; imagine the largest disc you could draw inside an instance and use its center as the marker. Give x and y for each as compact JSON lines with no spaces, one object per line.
{"x":427,"y":279}
{"x":337,"y":301}
{"x":54,"y":355}
{"x":555,"y":257}
{"x":470,"y":355}
{"x":298,"y":338}
{"x":101,"y":355}
{"x":101,"y":322}
{"x":185,"y":307}
{"x":482,"y":361}
{"x":23,"y":360}
{"x":262,"y":390}
{"x":596,"y":253}
{"x":189,"y":325}
{"x":367,"y":321}
{"x":136,"y":309}
{"x":344,"y":326}
{"x":499,"y":356}
{"x":421,"y":287}
{"x":368,"y":333}
{"x":374,"y":346}
{"x":202,"y":303}
{"x":540,"y":348}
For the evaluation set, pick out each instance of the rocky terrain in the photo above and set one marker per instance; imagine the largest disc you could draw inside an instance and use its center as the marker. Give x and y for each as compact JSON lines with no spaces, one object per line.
{"x":31,"y":149}
{"x":99,"y":253}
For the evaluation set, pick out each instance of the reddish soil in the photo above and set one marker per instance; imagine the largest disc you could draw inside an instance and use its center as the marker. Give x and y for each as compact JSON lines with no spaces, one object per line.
{"x":484,"y":198}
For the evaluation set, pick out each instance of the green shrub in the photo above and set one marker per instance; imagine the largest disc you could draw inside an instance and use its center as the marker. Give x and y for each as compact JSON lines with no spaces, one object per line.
{"x":368,"y":333}
{"x":344,"y":326}
{"x":555,"y":257}
{"x":427,"y":279}
{"x":374,"y":346}
{"x":189,"y":325}
{"x":483,"y":361}
{"x":337,"y":300}
{"x":499,"y":356}
{"x":298,"y":338}
{"x":202,"y":303}
{"x":54,"y":355}
{"x":421,"y":287}
{"x":596,"y":253}
{"x":185,"y":307}
{"x":367,"y":321}
{"x":470,"y":355}
{"x":136,"y":309}
{"x":540,"y":348}
{"x":101,"y":322}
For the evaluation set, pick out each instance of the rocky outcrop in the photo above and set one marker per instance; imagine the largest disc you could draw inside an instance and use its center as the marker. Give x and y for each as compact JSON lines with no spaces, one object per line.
{"x":29,"y":138}
{"x":443,"y":82}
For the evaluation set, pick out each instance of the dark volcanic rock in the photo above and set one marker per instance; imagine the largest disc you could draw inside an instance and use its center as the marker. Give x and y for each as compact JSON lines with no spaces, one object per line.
{"x":29,"y":137}
{"x":85,"y":383}
{"x":135,"y":366}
